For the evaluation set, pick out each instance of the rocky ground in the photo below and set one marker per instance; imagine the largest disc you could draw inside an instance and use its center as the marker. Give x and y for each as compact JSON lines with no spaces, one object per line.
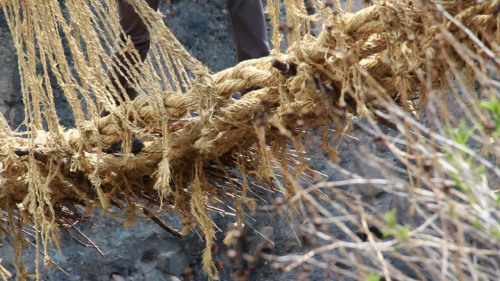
{"x":144,"y":251}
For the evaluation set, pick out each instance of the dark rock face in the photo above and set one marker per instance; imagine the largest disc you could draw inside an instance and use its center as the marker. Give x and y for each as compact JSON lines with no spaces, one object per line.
{"x":11,"y":101}
{"x":204,"y":28}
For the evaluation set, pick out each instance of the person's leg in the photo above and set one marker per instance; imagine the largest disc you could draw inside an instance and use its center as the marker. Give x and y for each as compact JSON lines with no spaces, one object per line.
{"x":134,"y":27}
{"x":249,"y":28}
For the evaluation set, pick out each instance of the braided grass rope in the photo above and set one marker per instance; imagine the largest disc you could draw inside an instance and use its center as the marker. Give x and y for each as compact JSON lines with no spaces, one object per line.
{"x":386,"y":63}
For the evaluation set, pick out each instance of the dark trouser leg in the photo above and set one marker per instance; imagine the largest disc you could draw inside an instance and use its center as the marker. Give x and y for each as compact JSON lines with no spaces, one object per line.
{"x":249,"y":28}
{"x":134,"y":27}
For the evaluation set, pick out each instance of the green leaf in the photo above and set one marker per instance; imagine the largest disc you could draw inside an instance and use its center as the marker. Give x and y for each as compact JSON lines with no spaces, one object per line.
{"x":390,"y":217}
{"x":480,"y":170}
{"x":493,"y":105}
{"x":459,"y":185}
{"x":385,"y":234}
{"x":373,"y":277}
{"x":402,"y":232}
{"x":477,"y":225}
{"x":495,"y":233}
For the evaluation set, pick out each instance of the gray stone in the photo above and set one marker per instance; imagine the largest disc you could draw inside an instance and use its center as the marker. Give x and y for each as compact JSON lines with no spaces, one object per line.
{"x":196,"y":23}
{"x":172,"y":263}
{"x":117,"y":277}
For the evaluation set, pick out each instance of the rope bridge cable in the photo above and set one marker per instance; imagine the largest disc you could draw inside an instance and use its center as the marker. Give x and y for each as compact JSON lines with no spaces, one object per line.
{"x":357,"y":63}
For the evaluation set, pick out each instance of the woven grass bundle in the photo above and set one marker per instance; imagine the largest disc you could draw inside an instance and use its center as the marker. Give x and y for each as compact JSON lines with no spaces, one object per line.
{"x":399,"y":64}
